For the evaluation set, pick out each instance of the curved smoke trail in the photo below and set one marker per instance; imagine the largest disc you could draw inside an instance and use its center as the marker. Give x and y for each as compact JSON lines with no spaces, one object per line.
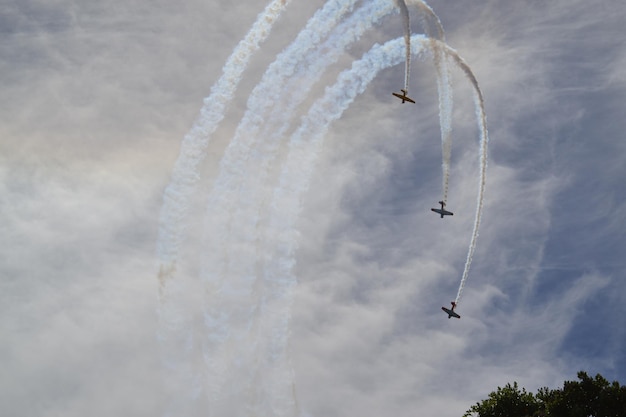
{"x":429,"y":19}
{"x":282,"y":238}
{"x":193,"y":148}
{"x":303,"y":150}
{"x":234,"y":349}
{"x":241,"y":155}
{"x":175,"y":337}
{"x":484,"y":142}
{"x":236,"y":240}
{"x":295,"y":90}
{"x":285,"y":93}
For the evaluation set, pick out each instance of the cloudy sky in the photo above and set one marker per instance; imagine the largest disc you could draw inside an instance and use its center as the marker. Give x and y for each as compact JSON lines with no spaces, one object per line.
{"x":97,"y":98}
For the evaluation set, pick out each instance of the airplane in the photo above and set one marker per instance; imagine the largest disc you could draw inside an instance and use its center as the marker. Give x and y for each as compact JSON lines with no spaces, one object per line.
{"x":451,"y":312}
{"x":403,"y":97}
{"x":442,"y":211}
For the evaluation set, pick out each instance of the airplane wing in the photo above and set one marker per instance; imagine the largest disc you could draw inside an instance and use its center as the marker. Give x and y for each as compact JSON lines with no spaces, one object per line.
{"x":404,"y":97}
{"x":451,"y":313}
{"x":442,"y":212}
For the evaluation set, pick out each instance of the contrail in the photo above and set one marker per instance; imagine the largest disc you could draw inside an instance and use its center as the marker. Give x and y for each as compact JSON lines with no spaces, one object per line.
{"x":282,"y":238}
{"x":304,"y":147}
{"x":193,"y":148}
{"x":406,"y":24}
{"x":484,"y":142}
{"x":175,"y":335}
{"x":248,"y":274}
{"x":445,"y":118}
{"x":241,"y":156}
{"x":240,"y":172}
{"x":231,"y":228}
{"x":284,"y":94}
{"x":253,"y":174}
{"x":428,"y":19}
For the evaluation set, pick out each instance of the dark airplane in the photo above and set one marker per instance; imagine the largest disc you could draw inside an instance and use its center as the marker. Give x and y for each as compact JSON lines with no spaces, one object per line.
{"x":442,"y":211}
{"x":451,"y":312}
{"x":403,"y":97}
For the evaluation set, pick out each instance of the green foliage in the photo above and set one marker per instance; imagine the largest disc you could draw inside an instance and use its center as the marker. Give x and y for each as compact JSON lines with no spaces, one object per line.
{"x":506,"y":402}
{"x":594,"y":397}
{"x":587,"y":397}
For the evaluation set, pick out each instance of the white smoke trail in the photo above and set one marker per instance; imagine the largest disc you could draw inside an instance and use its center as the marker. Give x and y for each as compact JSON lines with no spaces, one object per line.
{"x":311,"y":69}
{"x":241,"y":155}
{"x":406,"y":24}
{"x":282,"y":238}
{"x":286,"y":94}
{"x":232,"y":317}
{"x":175,"y":335}
{"x":484,"y":142}
{"x":251,"y":187}
{"x":185,"y":173}
{"x":272,"y":320}
{"x":297,"y":171}
{"x":428,"y":19}
{"x":445,"y":117}
{"x":294,"y":90}
{"x":348,"y":31}
{"x":232,"y":344}
{"x":285,"y":100}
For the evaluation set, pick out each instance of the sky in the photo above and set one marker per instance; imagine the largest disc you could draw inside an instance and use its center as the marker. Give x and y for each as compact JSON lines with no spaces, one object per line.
{"x":97,"y":98}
